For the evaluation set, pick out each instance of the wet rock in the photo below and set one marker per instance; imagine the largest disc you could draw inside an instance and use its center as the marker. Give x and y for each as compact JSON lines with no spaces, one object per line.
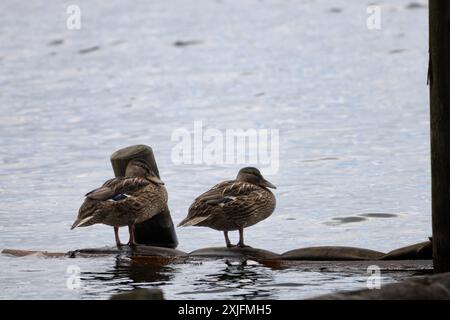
{"x":429,"y":287}
{"x":139,"y":294}
{"x":24,"y":253}
{"x":139,"y":250}
{"x":235,"y":252}
{"x":419,"y":251}
{"x":158,"y":251}
{"x":332,"y":253}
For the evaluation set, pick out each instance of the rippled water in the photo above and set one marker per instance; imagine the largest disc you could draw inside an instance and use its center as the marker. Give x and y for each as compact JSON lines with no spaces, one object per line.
{"x":350,"y":104}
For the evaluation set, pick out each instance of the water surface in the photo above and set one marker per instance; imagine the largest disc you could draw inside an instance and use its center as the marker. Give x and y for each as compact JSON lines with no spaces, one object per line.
{"x":350,"y":104}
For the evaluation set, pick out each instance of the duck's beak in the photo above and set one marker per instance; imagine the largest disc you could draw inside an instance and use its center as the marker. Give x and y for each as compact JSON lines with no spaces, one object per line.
{"x":155,"y":179}
{"x":80,"y":222}
{"x":267,"y":184}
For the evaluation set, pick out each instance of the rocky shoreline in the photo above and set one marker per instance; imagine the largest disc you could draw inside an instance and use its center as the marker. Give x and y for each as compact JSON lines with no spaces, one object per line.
{"x":419,"y":251}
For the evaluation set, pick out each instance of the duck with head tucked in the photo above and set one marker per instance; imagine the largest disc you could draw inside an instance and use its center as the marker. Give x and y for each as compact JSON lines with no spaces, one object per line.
{"x":124,"y":201}
{"x":233,"y":205}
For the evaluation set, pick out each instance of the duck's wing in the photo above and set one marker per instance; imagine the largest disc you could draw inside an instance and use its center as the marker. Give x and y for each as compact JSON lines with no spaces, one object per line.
{"x":121,"y":197}
{"x":118,"y":188}
{"x":229,"y":197}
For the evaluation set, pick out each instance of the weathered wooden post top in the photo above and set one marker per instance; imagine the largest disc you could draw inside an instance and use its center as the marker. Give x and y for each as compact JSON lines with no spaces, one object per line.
{"x":159,"y":230}
{"x":439,"y":81}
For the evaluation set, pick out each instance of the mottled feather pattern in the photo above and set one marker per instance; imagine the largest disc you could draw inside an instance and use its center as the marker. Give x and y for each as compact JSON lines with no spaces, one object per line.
{"x":230,"y":205}
{"x":144,"y":200}
{"x":116,"y":186}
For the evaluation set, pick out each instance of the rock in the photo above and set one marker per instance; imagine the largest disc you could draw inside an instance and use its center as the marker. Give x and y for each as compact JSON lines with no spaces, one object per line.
{"x":139,"y":294}
{"x":332,"y":253}
{"x":434,"y":287}
{"x":139,"y":250}
{"x":157,"y":251}
{"x":419,"y":251}
{"x":24,"y":253}
{"x":235,"y":252}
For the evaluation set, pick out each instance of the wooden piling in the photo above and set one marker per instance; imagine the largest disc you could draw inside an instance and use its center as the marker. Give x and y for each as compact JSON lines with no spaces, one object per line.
{"x":439,"y":81}
{"x":159,"y":230}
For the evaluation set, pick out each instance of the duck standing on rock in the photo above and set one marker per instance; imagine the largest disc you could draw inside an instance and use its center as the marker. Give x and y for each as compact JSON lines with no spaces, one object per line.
{"x":233,"y":205}
{"x":124,"y":201}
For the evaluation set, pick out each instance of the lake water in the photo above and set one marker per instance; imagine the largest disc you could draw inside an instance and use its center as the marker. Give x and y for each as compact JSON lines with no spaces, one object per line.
{"x":350,"y":104}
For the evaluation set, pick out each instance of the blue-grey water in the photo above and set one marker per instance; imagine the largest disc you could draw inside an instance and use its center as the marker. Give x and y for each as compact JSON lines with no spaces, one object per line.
{"x":350,"y":104}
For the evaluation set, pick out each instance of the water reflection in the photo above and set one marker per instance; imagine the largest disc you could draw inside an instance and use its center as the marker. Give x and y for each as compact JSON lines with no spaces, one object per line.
{"x":126,"y":274}
{"x":239,"y":278}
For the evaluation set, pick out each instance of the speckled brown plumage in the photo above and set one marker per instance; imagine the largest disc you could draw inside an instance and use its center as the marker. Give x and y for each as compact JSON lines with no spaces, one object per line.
{"x":124,"y":201}
{"x":233,"y":205}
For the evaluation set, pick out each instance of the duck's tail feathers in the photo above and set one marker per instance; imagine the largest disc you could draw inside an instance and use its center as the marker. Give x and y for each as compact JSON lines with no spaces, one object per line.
{"x":81,"y":222}
{"x":192,"y":221}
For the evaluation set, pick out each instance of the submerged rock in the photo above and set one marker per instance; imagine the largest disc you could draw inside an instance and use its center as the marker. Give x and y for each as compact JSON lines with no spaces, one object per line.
{"x":158,"y":251}
{"x":419,"y":251}
{"x":139,"y":294}
{"x":139,"y":250}
{"x":234,"y":252}
{"x":332,"y":253}
{"x":24,"y":253}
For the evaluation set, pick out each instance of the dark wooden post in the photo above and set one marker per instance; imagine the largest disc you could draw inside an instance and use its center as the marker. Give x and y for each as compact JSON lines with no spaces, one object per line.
{"x":159,"y":230}
{"x":438,"y":76}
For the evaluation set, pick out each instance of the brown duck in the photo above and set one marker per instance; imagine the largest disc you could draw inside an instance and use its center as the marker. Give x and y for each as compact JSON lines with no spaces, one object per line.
{"x":233,"y":205}
{"x":124,"y":201}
